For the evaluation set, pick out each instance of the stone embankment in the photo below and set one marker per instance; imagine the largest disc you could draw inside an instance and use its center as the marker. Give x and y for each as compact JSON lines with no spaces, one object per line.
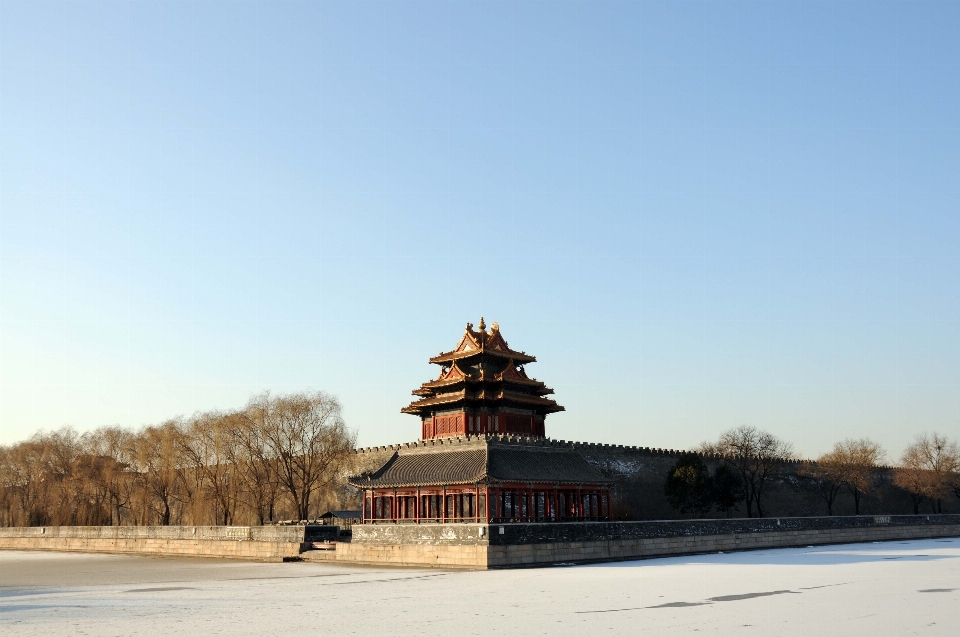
{"x":540,"y":544}
{"x":483,"y":546}
{"x":261,"y":543}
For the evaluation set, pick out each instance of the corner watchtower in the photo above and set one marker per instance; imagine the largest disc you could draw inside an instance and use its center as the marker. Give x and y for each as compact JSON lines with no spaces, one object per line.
{"x":483,"y":388}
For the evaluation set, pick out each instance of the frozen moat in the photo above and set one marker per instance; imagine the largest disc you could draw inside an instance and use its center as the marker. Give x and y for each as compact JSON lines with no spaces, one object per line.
{"x":893,"y":588}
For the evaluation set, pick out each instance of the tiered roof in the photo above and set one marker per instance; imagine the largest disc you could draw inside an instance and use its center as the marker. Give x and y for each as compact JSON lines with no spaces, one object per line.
{"x":482,"y":369}
{"x":482,"y":459}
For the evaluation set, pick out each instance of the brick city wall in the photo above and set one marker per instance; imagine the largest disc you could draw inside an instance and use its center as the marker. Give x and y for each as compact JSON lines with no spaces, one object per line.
{"x":642,"y":472}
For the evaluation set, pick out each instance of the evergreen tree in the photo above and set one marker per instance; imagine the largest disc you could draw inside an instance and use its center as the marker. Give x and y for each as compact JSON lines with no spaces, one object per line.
{"x":727,"y":490}
{"x":689,"y":487}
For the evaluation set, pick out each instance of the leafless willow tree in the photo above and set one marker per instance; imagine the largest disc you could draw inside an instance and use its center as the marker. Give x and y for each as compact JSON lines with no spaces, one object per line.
{"x":209,"y":448}
{"x":754,"y":455}
{"x":157,"y":457}
{"x":113,"y":449}
{"x":307,"y":439}
{"x":255,"y":464}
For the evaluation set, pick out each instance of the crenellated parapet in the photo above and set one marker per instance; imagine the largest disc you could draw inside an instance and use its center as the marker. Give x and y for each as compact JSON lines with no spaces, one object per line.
{"x":654,"y":452}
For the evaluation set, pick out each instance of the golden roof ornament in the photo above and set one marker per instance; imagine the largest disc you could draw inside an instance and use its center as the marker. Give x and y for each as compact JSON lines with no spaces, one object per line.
{"x":482,"y":325}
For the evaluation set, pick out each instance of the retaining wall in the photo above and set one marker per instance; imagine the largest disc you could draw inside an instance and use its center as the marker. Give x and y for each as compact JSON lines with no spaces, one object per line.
{"x":261,"y":543}
{"x":639,"y":547}
{"x":482,"y":546}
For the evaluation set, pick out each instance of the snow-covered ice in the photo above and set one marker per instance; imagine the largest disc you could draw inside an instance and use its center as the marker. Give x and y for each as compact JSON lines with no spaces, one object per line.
{"x":893,"y":588}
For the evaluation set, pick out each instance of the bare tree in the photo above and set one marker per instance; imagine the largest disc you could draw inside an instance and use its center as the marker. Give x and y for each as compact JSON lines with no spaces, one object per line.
{"x":306,"y":436}
{"x":912,"y":479}
{"x":928,"y":469}
{"x":859,"y":459}
{"x":158,"y":460}
{"x":755,"y":455}
{"x":64,"y":489}
{"x":25,"y":481}
{"x":255,"y":467}
{"x":207,"y":445}
{"x":113,"y":447}
{"x":828,"y":475}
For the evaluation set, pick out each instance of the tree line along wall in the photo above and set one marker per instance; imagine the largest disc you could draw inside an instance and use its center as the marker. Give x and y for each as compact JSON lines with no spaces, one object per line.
{"x":278,"y":457}
{"x":643,"y":471}
{"x":789,"y":493}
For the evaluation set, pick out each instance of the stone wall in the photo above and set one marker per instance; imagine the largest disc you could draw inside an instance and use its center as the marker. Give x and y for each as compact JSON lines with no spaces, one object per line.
{"x":507,"y":556}
{"x":458,"y":556}
{"x":262,"y":543}
{"x":481,"y":546}
{"x":566,"y":532}
{"x":432,"y":534}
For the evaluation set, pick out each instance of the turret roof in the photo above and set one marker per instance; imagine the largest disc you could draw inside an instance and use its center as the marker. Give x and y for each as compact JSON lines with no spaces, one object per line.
{"x":531,"y":400}
{"x":454,"y":375}
{"x":474,"y":342}
{"x":470,"y":376}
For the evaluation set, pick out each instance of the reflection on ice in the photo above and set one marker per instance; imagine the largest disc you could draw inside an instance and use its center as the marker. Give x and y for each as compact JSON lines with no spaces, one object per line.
{"x":864,"y":589}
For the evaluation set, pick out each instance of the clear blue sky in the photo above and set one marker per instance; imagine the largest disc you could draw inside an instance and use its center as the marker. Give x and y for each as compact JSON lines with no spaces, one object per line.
{"x":695,"y":214}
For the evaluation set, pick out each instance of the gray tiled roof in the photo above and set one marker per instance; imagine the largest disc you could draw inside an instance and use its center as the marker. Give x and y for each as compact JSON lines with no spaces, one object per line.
{"x":469,"y":464}
{"x":343,"y":515}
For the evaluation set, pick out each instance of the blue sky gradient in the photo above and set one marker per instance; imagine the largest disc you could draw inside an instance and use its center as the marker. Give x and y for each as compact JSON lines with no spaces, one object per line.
{"x":695,"y":214}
